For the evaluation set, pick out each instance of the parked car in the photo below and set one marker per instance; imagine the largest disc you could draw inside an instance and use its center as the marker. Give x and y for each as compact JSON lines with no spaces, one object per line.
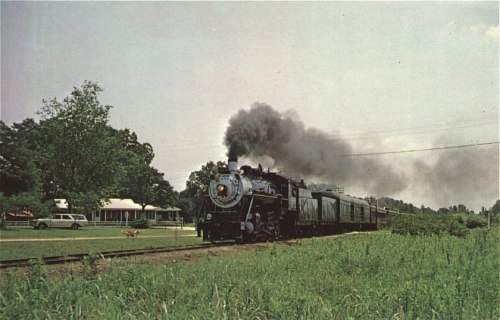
{"x":62,"y":220}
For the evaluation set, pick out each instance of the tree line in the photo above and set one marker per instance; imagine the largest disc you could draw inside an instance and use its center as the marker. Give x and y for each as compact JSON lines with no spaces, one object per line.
{"x":401,"y":206}
{"x":73,"y":153}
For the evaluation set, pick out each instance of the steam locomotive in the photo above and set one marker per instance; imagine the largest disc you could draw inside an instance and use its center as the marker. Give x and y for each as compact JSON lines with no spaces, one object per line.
{"x":248,"y":205}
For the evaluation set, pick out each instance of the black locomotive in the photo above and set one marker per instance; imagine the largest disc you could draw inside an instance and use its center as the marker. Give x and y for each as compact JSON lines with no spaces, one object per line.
{"x":248,"y":204}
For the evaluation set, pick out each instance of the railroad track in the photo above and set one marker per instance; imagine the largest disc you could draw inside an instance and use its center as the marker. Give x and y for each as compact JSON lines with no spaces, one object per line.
{"x":107,"y":254}
{"x":125,"y":253}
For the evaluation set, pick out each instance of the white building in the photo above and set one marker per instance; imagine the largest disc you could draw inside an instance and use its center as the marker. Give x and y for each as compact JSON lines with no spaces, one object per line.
{"x":115,"y":209}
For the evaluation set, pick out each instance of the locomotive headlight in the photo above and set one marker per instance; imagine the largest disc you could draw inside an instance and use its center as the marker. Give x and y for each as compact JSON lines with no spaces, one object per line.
{"x":209,"y":216}
{"x":222,"y":190}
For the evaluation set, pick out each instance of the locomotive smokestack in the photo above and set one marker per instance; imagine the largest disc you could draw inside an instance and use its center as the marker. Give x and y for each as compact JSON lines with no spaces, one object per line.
{"x":232,"y":164}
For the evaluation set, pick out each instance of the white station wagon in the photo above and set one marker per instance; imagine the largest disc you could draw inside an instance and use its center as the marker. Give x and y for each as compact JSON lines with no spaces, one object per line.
{"x":62,"y":220}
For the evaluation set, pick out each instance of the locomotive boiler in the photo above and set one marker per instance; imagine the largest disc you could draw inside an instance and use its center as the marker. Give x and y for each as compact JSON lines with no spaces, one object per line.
{"x":249,"y":204}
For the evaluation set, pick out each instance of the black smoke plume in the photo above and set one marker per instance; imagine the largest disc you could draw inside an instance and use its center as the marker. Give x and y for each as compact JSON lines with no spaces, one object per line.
{"x":262,"y":131}
{"x":469,"y":175}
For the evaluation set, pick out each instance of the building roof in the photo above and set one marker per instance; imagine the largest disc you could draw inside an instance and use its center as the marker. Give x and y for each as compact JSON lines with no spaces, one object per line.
{"x":22,"y":214}
{"x":118,"y":204}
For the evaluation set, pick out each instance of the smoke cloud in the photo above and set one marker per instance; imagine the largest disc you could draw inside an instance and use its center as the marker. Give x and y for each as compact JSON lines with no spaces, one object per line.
{"x":460,"y":176}
{"x":264,"y":132}
{"x":455,"y":176}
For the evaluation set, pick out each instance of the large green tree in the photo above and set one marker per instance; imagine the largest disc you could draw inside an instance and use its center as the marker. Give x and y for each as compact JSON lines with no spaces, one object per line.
{"x":81,"y":158}
{"x":136,"y":178}
{"x":73,"y":153}
{"x":146,"y":186}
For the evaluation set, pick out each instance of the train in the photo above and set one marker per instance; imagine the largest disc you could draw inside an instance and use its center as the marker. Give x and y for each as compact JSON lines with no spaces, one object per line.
{"x":250,"y":204}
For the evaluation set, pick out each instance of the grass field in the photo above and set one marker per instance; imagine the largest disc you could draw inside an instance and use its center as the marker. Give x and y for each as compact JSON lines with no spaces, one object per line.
{"x":29,"y":232}
{"x":373,"y":276}
{"x":38,"y":248}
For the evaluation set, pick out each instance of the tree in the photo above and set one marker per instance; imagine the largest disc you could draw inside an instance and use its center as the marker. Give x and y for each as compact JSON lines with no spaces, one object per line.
{"x":496,"y":207}
{"x":74,"y":154}
{"x":197,"y":187}
{"x":81,"y":157}
{"x":444,"y":210}
{"x":18,"y":169}
{"x":198,"y":182}
{"x":145,"y":185}
{"x":495,"y":212}
{"x":130,"y":145}
{"x":462,"y":208}
{"x":25,"y":201}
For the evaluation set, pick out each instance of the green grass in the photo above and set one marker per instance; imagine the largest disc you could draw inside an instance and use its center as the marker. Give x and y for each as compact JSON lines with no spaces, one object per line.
{"x":29,"y":232}
{"x":376,"y":276}
{"x":36,"y":248}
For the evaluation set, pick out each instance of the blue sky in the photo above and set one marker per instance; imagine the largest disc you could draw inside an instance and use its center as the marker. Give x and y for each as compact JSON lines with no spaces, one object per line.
{"x":384,"y":75}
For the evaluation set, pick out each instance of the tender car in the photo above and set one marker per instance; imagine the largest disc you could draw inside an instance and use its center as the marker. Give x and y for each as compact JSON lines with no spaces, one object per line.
{"x":62,"y":220}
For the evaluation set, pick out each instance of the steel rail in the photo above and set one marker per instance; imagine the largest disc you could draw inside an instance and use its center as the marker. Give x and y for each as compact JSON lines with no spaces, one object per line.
{"x":107,"y":254}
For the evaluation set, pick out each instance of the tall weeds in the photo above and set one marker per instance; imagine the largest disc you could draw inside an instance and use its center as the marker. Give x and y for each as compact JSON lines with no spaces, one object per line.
{"x":376,"y":276}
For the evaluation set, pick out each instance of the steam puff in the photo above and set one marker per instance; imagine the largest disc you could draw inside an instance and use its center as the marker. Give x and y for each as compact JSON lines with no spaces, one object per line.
{"x":464,"y":176}
{"x":262,"y":131}
{"x":461,"y":175}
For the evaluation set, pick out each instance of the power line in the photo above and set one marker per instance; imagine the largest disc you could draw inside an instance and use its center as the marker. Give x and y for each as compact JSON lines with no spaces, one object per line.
{"x":420,"y":150}
{"x":394,"y":132}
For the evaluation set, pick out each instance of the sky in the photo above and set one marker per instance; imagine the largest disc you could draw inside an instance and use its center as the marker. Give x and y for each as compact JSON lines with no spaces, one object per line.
{"x":380,"y":76}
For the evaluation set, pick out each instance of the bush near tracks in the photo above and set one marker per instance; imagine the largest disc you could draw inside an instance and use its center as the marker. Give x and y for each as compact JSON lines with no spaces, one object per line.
{"x":367,"y":276}
{"x":471,"y":221}
{"x":141,"y":223}
{"x":427,"y":224}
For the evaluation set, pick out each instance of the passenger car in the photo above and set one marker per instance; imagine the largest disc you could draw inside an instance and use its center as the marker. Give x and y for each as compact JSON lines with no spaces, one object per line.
{"x":62,"y":220}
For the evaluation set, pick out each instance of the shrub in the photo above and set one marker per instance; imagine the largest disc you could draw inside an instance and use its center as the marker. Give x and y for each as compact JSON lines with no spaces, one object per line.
{"x":141,"y":223}
{"x":471,"y":221}
{"x":427,"y":224}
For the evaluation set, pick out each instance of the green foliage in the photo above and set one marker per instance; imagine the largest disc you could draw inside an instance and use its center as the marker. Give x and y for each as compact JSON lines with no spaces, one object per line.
{"x":141,"y":223}
{"x":496,"y":207}
{"x":74,"y":154}
{"x":493,"y":213}
{"x":81,"y":157}
{"x":145,"y":185}
{"x":427,"y":224}
{"x":90,"y":265}
{"x":321,"y":186}
{"x":197,"y":187}
{"x":18,"y":169}
{"x":471,"y":221}
{"x":26,"y":201}
{"x":401,"y":206}
{"x":37,"y":274}
{"x":377,"y":276}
